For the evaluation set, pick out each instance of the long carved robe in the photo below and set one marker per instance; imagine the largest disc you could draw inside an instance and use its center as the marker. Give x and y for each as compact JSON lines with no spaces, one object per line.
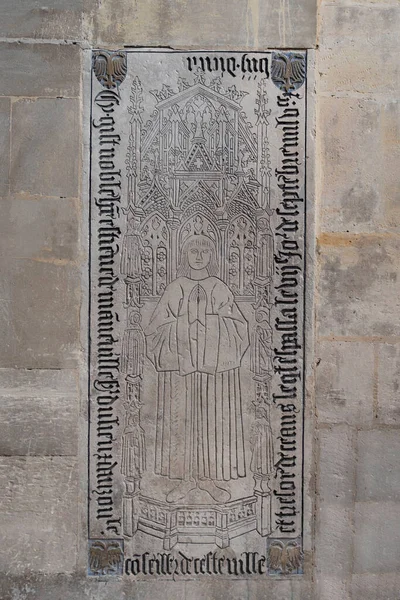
{"x":196,"y":339}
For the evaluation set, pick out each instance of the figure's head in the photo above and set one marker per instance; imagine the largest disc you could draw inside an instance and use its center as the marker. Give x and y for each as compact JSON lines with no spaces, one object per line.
{"x":198,"y":252}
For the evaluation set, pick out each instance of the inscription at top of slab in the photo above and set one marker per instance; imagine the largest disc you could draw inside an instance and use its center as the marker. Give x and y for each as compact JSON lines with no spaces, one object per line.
{"x":197,"y":222}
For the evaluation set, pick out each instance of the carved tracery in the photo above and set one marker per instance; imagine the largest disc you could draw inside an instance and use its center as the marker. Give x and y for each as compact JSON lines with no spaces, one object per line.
{"x":198,"y":167}
{"x":155,"y":243}
{"x":242,"y":256}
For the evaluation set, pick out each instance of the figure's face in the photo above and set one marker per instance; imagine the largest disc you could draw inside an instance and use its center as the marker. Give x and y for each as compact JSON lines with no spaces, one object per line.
{"x":199,"y":257}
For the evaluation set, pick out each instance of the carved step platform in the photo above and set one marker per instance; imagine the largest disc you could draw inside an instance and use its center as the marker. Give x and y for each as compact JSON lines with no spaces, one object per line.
{"x":191,"y":523}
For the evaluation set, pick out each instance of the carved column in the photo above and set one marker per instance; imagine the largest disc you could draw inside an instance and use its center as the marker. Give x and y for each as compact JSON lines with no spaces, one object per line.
{"x":173,"y":224}
{"x":222,"y":224}
{"x":263,"y":452}
{"x":133,"y":443}
{"x":262,"y":492}
{"x":133,"y":455}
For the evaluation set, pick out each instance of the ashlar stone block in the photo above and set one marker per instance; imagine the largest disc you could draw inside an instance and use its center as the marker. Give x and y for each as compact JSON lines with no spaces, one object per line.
{"x":359,"y":286}
{"x":350,"y":179}
{"x":43,"y":406}
{"x":378,"y":465}
{"x":332,"y":588}
{"x":390,"y":153}
{"x":301,"y":588}
{"x":39,"y":316}
{"x":45,"y":164}
{"x":67,"y":586}
{"x":377,"y":537}
{"x":33,"y":19}
{"x":50,"y":70}
{"x":217,"y":25}
{"x":333,"y":553}
{"x":364,"y":2}
{"x":5,"y":104}
{"x":276,"y":590}
{"x":38,"y":494}
{"x":216,"y":590}
{"x":43,"y":229}
{"x":344,"y":382}
{"x":350,"y":60}
{"x":370,"y":586}
{"x":389,"y":384}
{"x":337,"y":463}
{"x":360,"y":190}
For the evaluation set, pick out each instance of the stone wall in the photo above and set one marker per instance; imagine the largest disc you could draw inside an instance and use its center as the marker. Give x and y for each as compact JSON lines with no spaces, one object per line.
{"x":355,"y":441}
{"x":357,"y":355}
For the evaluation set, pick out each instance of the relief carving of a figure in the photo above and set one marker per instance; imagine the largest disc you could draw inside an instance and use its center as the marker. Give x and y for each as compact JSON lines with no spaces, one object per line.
{"x":196,"y":340}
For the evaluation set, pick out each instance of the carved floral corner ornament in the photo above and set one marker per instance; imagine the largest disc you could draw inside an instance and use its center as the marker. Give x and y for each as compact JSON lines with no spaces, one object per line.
{"x":288,"y":70}
{"x":110,"y":67}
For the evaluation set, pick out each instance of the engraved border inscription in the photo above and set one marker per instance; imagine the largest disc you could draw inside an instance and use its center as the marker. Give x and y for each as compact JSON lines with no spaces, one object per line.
{"x":197,"y":286}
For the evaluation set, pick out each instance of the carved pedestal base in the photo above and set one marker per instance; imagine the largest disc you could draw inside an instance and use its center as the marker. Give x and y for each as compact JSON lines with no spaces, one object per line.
{"x":191,"y":523}
{"x":130,"y":506}
{"x":262,"y":493}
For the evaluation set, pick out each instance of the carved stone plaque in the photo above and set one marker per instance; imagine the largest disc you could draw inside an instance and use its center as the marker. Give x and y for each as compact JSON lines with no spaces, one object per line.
{"x":197,"y":250}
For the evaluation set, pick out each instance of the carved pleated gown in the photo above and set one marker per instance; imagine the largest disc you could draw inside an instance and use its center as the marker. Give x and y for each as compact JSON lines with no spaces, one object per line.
{"x":196,"y":339}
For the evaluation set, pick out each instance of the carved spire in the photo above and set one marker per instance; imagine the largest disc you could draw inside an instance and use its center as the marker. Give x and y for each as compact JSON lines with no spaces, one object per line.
{"x":133,"y":162}
{"x":263,"y":157}
{"x":262,"y":111}
{"x":136,"y":107}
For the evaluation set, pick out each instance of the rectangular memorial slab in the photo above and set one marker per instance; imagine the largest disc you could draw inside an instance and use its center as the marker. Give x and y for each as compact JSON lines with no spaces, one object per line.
{"x":197,"y":262}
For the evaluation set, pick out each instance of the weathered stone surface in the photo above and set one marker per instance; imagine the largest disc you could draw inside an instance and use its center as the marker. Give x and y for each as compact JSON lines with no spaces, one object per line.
{"x":360,"y":191}
{"x":204,"y":24}
{"x":378,"y":466}
{"x":337,"y":455}
{"x":352,"y":301}
{"x":351,"y":61}
{"x":350,"y":183}
{"x":51,"y":586}
{"x":390,"y":152}
{"x":5,"y":105}
{"x":332,"y":588}
{"x":43,"y":405}
{"x":365,"y":3}
{"x":344,"y":382}
{"x":40,"y":495}
{"x":36,"y":159}
{"x":249,"y":590}
{"x":359,"y":71}
{"x":78,"y":587}
{"x":32,"y":19}
{"x":40,"y":70}
{"x":334,"y":542}
{"x":257,"y":589}
{"x":39,"y":316}
{"x":301,"y":589}
{"x":149,"y":590}
{"x":377,"y":537}
{"x":42,"y":229}
{"x":39,"y":542}
{"x":389,"y":384}
{"x":217,"y":590}
{"x":369,"y":586}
